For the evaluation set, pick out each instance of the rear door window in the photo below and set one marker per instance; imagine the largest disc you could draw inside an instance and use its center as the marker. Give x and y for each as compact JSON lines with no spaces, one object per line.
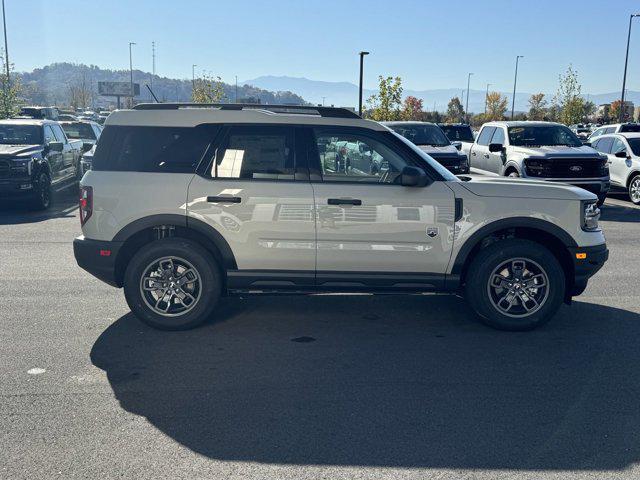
{"x":485,"y":135}
{"x":256,"y":153}
{"x":604,"y":145}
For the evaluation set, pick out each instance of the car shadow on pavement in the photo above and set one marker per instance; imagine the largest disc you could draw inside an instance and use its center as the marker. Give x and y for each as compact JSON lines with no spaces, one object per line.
{"x":15,"y":212}
{"x":386,"y":381}
{"x":619,"y":213}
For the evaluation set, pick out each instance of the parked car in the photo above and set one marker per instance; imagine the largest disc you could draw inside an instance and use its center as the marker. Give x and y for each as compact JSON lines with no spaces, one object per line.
{"x":582,"y":132}
{"x":623,"y":151}
{"x":67,"y":117}
{"x":539,"y":150}
{"x":36,"y":158}
{"x":184,"y":205}
{"x":614,"y":128}
{"x":85,"y":131}
{"x":459,"y":132}
{"x":432,"y":140}
{"x":40,"y":113}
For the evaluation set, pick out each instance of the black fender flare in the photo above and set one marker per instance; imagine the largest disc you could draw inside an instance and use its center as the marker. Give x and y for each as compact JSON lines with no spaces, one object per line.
{"x":144,"y":223}
{"x":505,"y":223}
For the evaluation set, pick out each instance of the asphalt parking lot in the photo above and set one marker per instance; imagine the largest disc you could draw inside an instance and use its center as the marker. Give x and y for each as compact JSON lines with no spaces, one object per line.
{"x":319,"y":387}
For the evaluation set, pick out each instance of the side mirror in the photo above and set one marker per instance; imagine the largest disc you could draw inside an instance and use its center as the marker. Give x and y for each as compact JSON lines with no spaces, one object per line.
{"x":495,"y":147}
{"x":86,"y":146}
{"x":413,"y":177}
{"x":56,"y":146}
{"x":458,"y":145}
{"x":621,"y":154}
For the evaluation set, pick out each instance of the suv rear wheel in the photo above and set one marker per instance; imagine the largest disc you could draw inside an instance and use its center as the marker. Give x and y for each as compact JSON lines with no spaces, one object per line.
{"x":515,"y":284}
{"x":172,"y":284}
{"x":634,"y":189}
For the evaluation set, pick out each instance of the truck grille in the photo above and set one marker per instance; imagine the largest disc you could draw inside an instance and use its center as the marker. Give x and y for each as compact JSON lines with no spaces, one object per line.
{"x":453,"y":163}
{"x":5,"y":169}
{"x":566,"y":167}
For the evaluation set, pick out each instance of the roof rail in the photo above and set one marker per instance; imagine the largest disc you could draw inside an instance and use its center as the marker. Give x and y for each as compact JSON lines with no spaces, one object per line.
{"x":283,"y":109}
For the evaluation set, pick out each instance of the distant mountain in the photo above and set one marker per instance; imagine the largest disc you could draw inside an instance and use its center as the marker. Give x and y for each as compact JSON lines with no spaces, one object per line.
{"x":346,"y":94}
{"x":50,"y":85}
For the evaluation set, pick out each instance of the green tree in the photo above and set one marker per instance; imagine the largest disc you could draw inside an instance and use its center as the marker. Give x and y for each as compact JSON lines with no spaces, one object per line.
{"x":589,"y":110}
{"x":208,"y":89}
{"x":537,"y":106}
{"x":412,"y":109}
{"x":10,"y":89}
{"x":455,"y":112}
{"x":386,"y":104}
{"x":496,"y":106}
{"x":568,"y":97}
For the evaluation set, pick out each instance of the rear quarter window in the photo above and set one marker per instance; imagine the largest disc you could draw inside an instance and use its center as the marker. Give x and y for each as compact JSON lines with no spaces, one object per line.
{"x":152,"y":149}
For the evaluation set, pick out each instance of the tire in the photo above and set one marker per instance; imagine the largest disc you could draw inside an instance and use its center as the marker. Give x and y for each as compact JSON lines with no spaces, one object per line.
{"x":634,"y":189}
{"x":204,"y":285}
{"x":601,"y":199}
{"x":43,"y":198}
{"x":513,"y":174}
{"x":483,"y":296}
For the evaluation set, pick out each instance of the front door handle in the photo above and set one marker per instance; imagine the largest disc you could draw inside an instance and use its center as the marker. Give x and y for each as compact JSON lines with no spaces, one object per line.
{"x":473,"y":153}
{"x":486,"y":155}
{"x":344,"y":201}
{"x":223,"y":199}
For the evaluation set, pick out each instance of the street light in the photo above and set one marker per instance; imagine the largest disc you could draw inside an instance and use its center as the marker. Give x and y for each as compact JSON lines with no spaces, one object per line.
{"x":466,"y":105}
{"x":515,"y":81}
{"x":6,"y":47}
{"x":626,"y":59}
{"x":486,"y":98}
{"x":362,"y":54}
{"x":131,"y":72}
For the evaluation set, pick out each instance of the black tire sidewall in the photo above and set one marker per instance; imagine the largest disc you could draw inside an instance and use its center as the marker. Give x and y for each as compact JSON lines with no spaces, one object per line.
{"x":200,"y":259}
{"x":489,"y":258}
{"x":44,"y":182}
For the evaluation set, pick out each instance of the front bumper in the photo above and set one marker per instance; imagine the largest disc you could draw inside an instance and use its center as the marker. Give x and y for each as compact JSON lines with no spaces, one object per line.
{"x":599,"y":186}
{"x":586,"y":262}
{"x":17,"y":188}
{"x":98,"y":258}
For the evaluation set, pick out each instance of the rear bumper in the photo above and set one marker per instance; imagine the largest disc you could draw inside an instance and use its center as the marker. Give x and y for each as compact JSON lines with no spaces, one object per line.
{"x":98,"y":258}
{"x":584,"y":268}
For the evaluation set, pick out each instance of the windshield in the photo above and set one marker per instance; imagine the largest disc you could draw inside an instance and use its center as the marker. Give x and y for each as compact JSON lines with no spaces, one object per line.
{"x":422,"y":134}
{"x":458,"y":133}
{"x":446,"y":174}
{"x":20,"y":135}
{"x":630,"y":128}
{"x":634,"y":143}
{"x":78,"y":130}
{"x":543,"y":135}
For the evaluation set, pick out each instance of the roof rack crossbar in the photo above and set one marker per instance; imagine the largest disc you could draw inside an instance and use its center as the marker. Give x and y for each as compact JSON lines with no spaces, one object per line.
{"x":334,"y":112}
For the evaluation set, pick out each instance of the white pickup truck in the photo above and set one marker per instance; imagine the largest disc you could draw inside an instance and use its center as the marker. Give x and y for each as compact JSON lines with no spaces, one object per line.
{"x":541,"y":150}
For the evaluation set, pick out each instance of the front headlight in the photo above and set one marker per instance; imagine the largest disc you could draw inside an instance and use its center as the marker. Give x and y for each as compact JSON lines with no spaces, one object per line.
{"x":22,"y":165}
{"x":590,"y":216}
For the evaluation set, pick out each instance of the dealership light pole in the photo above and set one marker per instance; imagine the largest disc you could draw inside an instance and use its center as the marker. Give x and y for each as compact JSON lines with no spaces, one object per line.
{"x":6,"y":47}
{"x":131,"y":72}
{"x":626,"y":60}
{"x":515,"y":81}
{"x":362,"y":54}
{"x":486,"y":98}
{"x":466,"y":105}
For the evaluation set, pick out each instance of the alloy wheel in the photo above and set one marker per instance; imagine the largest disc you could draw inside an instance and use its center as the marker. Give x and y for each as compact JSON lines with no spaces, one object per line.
{"x":634,"y":189}
{"x":518,"y":287}
{"x":170,"y":286}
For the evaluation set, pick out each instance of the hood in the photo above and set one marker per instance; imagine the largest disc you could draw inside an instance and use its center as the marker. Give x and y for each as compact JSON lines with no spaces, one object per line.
{"x":485,"y":186}
{"x":434,"y":151}
{"x":13,"y":150}
{"x":556,"y":150}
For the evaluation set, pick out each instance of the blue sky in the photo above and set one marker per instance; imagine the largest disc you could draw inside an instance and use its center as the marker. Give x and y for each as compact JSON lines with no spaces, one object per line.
{"x":430,"y":44}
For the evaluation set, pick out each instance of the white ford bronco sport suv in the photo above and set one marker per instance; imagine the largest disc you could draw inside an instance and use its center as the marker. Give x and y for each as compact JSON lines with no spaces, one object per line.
{"x":186,"y":203}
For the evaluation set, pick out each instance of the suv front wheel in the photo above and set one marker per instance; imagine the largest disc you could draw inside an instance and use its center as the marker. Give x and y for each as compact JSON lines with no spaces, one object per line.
{"x":172,"y":284}
{"x":515,"y":285}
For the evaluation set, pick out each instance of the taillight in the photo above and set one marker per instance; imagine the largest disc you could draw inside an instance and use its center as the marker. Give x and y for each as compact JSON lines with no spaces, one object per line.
{"x":86,"y":204}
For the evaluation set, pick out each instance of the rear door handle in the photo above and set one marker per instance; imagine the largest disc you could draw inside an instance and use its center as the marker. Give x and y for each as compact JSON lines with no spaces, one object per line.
{"x":344,"y":201}
{"x":223,"y":199}
{"x":473,"y":153}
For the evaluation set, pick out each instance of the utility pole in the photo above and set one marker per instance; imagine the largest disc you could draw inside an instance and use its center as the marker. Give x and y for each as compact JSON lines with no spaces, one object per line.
{"x":6,"y":47}
{"x":362,"y":54}
{"x":131,"y":72}
{"x":193,"y":76}
{"x":323,"y":101}
{"x":515,"y":81}
{"x":624,"y":77}
{"x":466,"y":107}
{"x":486,"y":98}
{"x":236,"y":88}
